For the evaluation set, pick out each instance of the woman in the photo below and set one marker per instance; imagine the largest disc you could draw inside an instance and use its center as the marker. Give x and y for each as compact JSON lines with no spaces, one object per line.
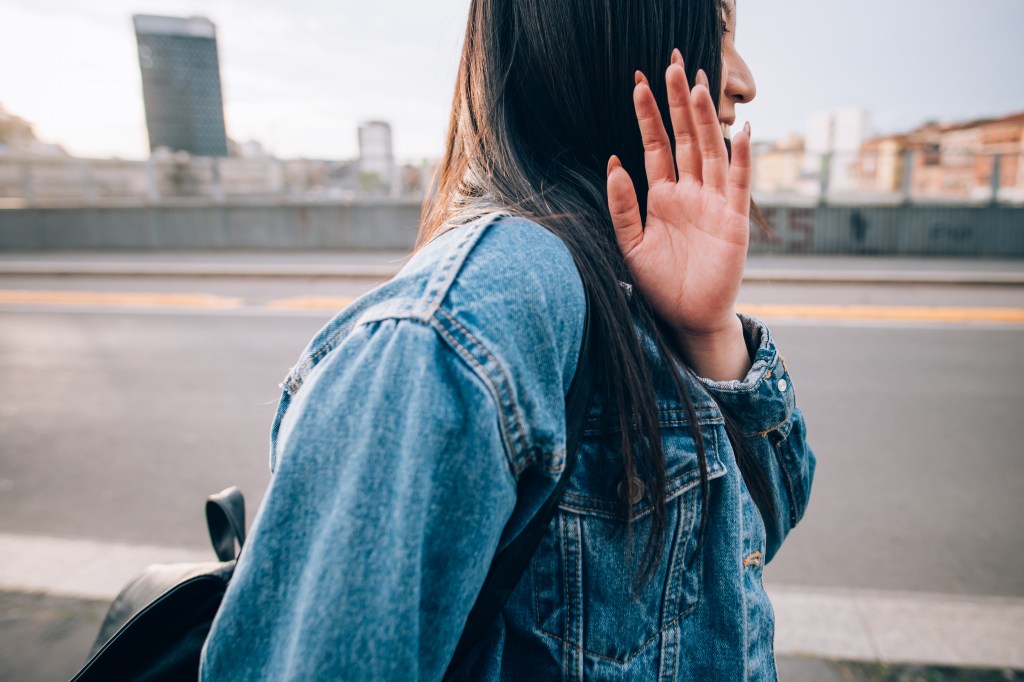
{"x":423,"y":425}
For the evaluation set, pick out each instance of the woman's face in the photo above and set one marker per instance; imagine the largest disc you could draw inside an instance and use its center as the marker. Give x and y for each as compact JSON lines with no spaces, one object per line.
{"x":737,"y":81}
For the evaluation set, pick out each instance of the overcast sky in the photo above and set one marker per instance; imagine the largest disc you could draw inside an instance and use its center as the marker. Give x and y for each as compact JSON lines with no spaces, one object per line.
{"x":299,"y":76}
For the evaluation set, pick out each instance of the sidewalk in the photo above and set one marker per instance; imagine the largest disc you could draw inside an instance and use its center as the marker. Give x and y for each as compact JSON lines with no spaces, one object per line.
{"x":380,"y":265}
{"x":53,"y":594}
{"x":45,"y":638}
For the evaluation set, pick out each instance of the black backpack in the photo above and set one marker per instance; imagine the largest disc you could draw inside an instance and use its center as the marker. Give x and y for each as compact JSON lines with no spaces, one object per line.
{"x":155,"y":628}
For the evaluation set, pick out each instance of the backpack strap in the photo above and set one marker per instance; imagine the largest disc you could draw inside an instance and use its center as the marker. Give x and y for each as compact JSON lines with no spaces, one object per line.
{"x":510,"y":563}
{"x":225,"y":517}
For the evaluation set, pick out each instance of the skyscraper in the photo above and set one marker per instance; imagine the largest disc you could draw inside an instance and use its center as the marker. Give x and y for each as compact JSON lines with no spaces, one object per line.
{"x":375,"y":154}
{"x":181,"y":84}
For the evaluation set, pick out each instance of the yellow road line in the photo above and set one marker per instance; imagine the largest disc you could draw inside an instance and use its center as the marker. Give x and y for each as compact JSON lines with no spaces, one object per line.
{"x":895,"y":312}
{"x":200,"y":300}
{"x":312,"y":302}
{"x":119,"y":298}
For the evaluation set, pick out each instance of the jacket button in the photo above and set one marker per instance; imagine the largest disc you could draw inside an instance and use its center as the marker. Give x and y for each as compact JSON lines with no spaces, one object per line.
{"x":636,"y":490}
{"x":782,"y":385}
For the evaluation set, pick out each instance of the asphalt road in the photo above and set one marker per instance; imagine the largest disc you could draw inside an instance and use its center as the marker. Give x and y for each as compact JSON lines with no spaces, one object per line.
{"x":116,"y":421}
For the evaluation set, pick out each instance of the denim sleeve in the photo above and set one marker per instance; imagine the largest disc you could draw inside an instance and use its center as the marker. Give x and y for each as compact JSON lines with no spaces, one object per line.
{"x":389,"y":499}
{"x":763,"y":405}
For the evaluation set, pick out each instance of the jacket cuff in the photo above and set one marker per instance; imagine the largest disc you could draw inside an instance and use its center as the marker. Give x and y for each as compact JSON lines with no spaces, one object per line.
{"x":763,"y":400}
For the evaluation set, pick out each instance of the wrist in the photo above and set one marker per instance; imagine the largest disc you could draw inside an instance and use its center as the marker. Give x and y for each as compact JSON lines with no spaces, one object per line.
{"x":720,"y":354}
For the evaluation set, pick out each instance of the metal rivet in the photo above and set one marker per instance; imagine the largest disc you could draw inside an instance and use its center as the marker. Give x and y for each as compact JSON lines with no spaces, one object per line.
{"x":636,"y":490}
{"x":782,"y":385}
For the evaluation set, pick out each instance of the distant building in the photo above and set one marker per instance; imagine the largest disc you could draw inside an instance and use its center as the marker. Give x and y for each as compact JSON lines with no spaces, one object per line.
{"x":833,"y":141}
{"x":376,"y":157}
{"x":880,"y":167}
{"x":17,"y":138}
{"x":181,"y":84}
{"x":979,"y":159}
{"x":777,"y":168}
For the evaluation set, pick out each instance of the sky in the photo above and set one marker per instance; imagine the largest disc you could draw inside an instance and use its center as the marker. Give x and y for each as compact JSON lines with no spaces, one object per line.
{"x":300,"y":76}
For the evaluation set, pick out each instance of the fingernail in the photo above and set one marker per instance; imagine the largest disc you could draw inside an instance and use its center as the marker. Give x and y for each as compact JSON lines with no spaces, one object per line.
{"x":746,"y":128}
{"x":639,"y":77}
{"x":677,"y":56}
{"x":612,"y":163}
{"x":702,"y":78}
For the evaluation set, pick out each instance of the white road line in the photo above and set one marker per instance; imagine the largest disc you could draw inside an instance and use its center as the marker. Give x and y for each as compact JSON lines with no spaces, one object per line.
{"x":861,"y":625}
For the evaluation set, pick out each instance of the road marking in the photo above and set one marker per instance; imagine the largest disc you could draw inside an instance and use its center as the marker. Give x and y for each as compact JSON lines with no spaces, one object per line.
{"x":312,"y":302}
{"x":832,"y":313}
{"x":118,"y":299}
{"x":861,"y":625}
{"x":895,"y":313}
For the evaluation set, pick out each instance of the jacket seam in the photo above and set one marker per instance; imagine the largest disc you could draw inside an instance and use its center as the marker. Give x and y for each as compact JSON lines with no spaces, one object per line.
{"x":780,"y":458}
{"x":437,"y":288}
{"x":499,"y":378}
{"x":478,"y":369}
{"x":713,"y":474}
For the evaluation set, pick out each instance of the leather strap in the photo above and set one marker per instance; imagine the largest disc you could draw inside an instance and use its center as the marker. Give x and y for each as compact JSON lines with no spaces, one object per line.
{"x":225,"y":517}
{"x":510,"y":563}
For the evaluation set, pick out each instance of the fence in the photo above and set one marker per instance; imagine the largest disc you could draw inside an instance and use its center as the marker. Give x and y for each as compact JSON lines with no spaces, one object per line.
{"x":780,"y":175}
{"x":60,"y":181}
{"x":881,"y":176}
{"x":879,"y":200}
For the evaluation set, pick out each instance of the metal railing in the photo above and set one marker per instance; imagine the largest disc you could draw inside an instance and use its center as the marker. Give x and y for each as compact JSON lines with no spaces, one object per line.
{"x":42,"y":181}
{"x":779,"y":176}
{"x":888,"y":177}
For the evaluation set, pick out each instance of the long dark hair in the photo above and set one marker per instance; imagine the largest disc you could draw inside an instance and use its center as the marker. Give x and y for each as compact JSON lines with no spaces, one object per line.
{"x":543,"y":99}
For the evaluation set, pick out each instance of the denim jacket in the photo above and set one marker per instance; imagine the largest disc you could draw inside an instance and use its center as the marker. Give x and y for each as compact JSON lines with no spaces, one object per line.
{"x":419,"y":432}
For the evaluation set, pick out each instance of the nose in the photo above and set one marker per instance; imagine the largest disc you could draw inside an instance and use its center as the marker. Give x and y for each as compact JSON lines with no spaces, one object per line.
{"x":739,"y":82}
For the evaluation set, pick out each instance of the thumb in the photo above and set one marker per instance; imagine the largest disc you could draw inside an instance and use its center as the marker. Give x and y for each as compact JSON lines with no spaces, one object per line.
{"x":623,"y":207}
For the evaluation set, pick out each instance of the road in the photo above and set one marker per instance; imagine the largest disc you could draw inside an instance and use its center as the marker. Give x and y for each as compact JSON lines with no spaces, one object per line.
{"x":124,"y":406}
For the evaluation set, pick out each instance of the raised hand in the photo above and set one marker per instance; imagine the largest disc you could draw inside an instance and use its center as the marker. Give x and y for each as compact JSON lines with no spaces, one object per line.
{"x":687,"y":258}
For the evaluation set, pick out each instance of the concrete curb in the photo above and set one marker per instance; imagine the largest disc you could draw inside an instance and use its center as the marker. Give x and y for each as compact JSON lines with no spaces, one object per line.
{"x":375,"y":272}
{"x":61,"y":268}
{"x":855,"y":625}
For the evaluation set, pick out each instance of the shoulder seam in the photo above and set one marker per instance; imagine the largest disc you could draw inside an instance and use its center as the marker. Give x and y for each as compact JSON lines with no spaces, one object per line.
{"x":478,"y":359}
{"x":442,"y":279}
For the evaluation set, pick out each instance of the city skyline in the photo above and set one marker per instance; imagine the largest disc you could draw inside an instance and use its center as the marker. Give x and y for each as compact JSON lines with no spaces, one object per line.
{"x":336,"y":66}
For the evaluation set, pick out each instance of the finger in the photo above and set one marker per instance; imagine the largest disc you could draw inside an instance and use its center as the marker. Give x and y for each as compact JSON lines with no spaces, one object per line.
{"x":623,"y":207}
{"x":737,"y":193}
{"x":714,"y":158}
{"x":680,"y":107}
{"x":657,"y":151}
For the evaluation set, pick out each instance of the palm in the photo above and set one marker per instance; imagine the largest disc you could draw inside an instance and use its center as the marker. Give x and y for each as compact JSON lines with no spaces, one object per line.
{"x":687,"y":257}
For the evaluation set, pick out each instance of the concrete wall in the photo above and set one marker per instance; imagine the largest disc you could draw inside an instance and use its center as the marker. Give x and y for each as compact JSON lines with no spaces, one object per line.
{"x":387,"y":225}
{"x":907,"y":229}
{"x":392,"y":225}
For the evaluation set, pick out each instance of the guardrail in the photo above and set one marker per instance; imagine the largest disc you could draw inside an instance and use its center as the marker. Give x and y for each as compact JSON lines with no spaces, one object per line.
{"x":780,"y":175}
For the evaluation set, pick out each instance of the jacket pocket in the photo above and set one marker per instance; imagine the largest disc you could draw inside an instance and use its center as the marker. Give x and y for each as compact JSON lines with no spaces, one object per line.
{"x":586,"y":586}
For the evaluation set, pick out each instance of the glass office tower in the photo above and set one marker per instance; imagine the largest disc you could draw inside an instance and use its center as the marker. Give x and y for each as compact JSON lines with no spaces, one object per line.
{"x":181,"y":84}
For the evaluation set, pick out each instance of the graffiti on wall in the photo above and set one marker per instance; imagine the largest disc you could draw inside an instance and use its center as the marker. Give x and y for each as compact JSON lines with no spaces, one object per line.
{"x":790,"y":230}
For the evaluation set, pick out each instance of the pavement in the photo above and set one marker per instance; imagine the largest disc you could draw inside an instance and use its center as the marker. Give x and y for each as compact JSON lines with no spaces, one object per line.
{"x":373,"y":265}
{"x":64,"y":628}
{"x":53,"y":594}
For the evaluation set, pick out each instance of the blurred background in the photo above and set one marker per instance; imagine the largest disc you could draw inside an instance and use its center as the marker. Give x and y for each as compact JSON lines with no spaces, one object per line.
{"x":190,"y":190}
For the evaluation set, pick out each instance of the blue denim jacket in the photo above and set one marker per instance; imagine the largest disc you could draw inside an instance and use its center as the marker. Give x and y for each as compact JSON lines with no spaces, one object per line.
{"x":419,"y":432}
